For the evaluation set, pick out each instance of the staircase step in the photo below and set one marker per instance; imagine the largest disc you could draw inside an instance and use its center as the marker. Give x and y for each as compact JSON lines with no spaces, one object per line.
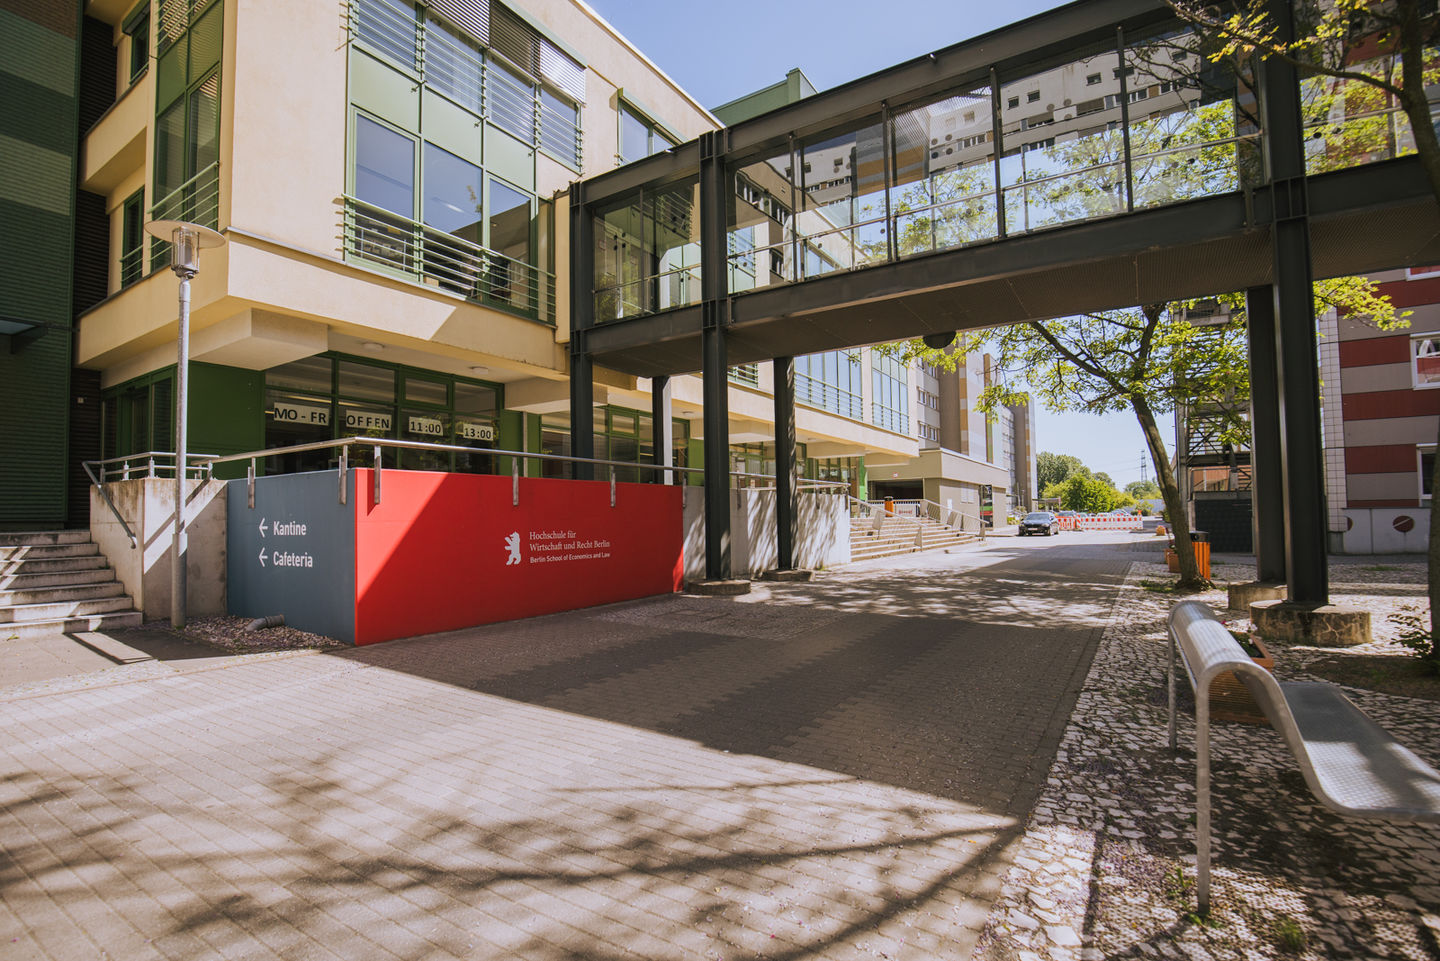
{"x":28,"y":552}
{"x":62,"y":610}
{"x":42,"y":538}
{"x":25,"y":580}
{"x":52,"y":595}
{"x":54,"y":565}
{"x":70,"y":625}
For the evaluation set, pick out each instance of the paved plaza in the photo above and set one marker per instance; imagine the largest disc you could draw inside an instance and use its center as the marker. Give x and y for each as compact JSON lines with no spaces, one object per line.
{"x":864,"y":766}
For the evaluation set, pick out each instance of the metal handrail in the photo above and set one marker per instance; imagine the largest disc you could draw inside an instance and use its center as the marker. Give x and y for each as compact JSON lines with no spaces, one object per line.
{"x":377,"y":443}
{"x":105,"y":496}
{"x":147,"y":465}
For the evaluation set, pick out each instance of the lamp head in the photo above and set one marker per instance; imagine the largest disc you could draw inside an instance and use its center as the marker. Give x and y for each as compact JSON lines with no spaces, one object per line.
{"x":186,"y":240}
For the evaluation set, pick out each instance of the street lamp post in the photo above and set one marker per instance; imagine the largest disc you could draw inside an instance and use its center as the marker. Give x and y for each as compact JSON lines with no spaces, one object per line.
{"x":186,"y":240}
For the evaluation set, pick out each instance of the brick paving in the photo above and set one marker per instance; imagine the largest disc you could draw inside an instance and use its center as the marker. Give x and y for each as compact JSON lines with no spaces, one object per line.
{"x":829,"y":770}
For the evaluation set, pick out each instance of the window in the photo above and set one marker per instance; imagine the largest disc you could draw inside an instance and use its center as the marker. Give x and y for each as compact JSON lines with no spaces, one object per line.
{"x":1032,"y":97}
{"x":889,"y":394}
{"x":560,"y":128}
{"x":454,"y":65}
{"x":511,"y":102}
{"x":1012,"y":103}
{"x":517,"y":78}
{"x":1426,"y":455}
{"x":453,"y":189}
{"x":327,"y":397}
{"x":1425,"y":360}
{"x":384,"y":167}
{"x":639,"y":137}
{"x":509,"y":235}
{"x":187,"y":115}
{"x":1092,"y":79}
{"x":137,"y":27}
{"x":390,"y":28}
{"x":132,"y":239}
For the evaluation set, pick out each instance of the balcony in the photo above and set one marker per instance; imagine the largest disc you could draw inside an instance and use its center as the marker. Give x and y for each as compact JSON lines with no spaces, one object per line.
{"x":409,"y":249}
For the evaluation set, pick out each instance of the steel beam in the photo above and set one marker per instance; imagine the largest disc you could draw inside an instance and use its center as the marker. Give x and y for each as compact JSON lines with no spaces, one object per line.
{"x":1302,"y":457}
{"x":786,"y":497}
{"x":582,"y":318}
{"x":662,"y":440}
{"x":715,"y":309}
{"x":1267,"y":489}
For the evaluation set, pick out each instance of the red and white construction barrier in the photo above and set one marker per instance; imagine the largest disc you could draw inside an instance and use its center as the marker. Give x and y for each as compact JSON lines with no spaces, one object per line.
{"x":1102,"y":522}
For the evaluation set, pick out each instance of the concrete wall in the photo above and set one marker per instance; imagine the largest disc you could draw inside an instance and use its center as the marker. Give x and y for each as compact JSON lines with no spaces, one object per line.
{"x":1381,"y":530}
{"x":824,"y":532}
{"x":148,"y":506}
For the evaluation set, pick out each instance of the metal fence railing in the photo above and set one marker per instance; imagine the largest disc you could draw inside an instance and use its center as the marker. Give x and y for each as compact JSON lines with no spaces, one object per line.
{"x":162,"y":464}
{"x":196,"y":201}
{"x":446,"y":261}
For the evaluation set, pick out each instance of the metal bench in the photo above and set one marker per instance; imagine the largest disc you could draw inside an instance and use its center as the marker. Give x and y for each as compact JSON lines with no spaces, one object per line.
{"x":1353,"y":765}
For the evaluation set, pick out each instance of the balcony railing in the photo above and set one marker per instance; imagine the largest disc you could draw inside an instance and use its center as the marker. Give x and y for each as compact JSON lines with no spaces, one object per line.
{"x":196,"y":201}
{"x":809,"y":390}
{"x":747,"y":374}
{"x":409,"y":248}
{"x":132,"y":266}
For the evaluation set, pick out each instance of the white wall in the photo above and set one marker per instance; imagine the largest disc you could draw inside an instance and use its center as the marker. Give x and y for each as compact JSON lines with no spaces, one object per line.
{"x":823,"y":537}
{"x":1373,"y":531}
{"x":148,"y":506}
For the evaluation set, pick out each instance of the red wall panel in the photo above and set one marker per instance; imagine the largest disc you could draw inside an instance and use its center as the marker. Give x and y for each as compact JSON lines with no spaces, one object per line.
{"x":1381,"y":459}
{"x":1375,"y":350}
{"x":1412,"y":293}
{"x":445,"y":551}
{"x":1391,"y":403}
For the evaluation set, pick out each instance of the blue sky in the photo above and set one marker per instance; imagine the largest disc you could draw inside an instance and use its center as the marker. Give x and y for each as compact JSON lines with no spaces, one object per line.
{"x":719,"y":52}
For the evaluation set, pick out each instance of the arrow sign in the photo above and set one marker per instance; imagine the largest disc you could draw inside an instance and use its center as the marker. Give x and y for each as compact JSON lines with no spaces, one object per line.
{"x":262,"y":527}
{"x":262,"y":557}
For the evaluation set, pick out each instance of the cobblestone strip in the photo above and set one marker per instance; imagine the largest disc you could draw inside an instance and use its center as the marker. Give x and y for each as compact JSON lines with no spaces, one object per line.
{"x":1105,"y":868}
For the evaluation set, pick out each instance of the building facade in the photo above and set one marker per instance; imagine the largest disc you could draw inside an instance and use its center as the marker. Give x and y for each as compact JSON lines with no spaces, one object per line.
{"x":391,"y":179}
{"x":1382,"y":415}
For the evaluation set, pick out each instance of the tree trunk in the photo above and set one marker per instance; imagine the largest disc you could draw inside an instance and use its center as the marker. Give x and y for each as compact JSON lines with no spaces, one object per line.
{"x":1170,"y":490}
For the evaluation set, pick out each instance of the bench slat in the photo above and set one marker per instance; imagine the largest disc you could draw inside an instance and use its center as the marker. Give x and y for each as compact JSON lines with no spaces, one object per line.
{"x":1358,"y":767}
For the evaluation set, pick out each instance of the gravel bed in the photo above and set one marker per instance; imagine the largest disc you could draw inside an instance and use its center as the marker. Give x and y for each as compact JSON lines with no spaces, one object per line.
{"x":1106,"y":866}
{"x":229,"y":634}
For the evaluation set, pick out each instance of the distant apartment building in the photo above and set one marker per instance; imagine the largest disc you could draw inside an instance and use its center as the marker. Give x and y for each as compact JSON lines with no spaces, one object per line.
{"x":1381,"y":417}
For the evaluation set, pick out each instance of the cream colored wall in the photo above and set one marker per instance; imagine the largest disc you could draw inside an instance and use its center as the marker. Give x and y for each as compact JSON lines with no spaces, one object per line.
{"x":610,"y":65}
{"x":283,"y":132}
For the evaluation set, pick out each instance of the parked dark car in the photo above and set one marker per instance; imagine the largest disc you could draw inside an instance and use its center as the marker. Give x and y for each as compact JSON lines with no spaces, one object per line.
{"x":1040,"y":522}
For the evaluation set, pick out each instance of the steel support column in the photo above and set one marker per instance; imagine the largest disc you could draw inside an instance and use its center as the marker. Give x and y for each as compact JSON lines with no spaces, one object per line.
{"x":582,"y":318}
{"x":786,"y":496}
{"x":1297,"y":367}
{"x":662,"y":441}
{"x":714,"y":366}
{"x":1267,"y":488}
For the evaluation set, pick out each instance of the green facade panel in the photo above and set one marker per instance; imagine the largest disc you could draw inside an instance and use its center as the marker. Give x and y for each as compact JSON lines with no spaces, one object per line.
{"x":227,"y":412}
{"x":39,"y":59}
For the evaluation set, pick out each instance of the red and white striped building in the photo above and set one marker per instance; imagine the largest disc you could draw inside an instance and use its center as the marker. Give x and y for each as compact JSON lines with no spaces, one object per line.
{"x":1382,"y":410}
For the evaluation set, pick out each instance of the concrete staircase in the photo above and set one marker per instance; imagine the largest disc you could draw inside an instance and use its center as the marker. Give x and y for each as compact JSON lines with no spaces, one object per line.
{"x":58,"y":582}
{"x":901,"y":535}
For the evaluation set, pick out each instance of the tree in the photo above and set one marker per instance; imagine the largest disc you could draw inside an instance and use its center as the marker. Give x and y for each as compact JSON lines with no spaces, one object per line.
{"x":1105,"y":479}
{"x":1145,"y":360}
{"x":1053,"y":469}
{"x":1085,"y":494}
{"x":1356,"y":56}
{"x":1143,"y":490}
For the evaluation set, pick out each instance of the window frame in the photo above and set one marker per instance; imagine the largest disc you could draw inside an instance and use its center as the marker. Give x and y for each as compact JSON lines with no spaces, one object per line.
{"x":1422,"y":476}
{"x":655,"y":131}
{"x":1415,"y":341}
{"x":136,"y":26}
{"x":132,"y":207}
